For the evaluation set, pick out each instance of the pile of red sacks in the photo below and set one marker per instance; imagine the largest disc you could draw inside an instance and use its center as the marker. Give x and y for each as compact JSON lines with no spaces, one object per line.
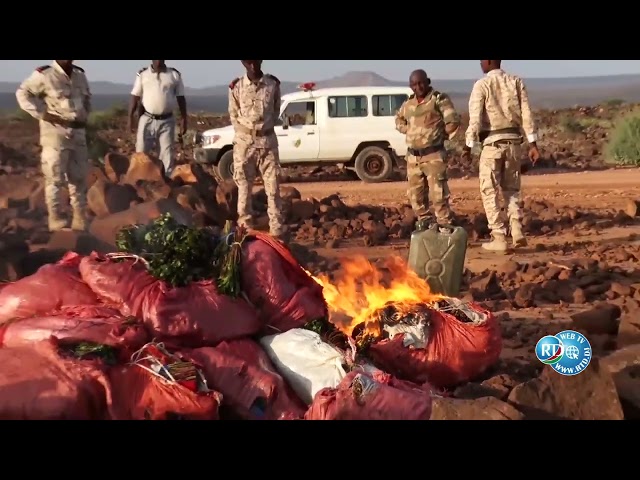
{"x":95,"y":338}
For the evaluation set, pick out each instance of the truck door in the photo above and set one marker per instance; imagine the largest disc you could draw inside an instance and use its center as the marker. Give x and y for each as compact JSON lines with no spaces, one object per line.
{"x":301,"y":141}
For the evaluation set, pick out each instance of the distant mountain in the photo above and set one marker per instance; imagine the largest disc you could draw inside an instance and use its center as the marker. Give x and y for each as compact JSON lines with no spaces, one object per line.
{"x":372,"y":79}
{"x":544,"y":92}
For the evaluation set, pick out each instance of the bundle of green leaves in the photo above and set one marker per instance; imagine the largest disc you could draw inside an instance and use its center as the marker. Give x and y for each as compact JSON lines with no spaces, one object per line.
{"x":88,"y":350}
{"x":175,"y":253}
{"x":229,"y":263}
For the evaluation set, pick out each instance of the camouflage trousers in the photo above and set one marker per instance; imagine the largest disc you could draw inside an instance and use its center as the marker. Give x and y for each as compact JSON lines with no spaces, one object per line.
{"x":427,"y":176}
{"x":500,"y":169}
{"x":248,"y":161}
{"x":65,"y":167}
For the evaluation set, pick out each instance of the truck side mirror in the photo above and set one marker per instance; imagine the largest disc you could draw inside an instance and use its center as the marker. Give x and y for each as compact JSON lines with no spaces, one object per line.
{"x":286,"y":123}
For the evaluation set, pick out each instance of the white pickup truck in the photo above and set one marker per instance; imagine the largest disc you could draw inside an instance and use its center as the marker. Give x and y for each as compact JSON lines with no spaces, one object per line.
{"x":353,"y":127}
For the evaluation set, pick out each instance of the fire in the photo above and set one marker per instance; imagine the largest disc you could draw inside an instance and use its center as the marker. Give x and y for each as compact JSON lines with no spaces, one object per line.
{"x":360,"y":292}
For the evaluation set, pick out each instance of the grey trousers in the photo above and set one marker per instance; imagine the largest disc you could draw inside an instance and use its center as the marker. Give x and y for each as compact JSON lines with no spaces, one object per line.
{"x":162,"y":132}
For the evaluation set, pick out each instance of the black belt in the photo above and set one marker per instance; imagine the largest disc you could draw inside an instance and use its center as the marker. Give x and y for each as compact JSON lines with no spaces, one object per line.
{"x":506,"y":141}
{"x":164,"y":116}
{"x":500,"y":131}
{"x":421,"y":152}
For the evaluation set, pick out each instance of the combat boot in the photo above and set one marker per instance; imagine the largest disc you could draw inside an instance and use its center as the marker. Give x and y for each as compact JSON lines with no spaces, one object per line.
{"x":497,"y":244}
{"x":79,"y":222}
{"x":517,"y":236}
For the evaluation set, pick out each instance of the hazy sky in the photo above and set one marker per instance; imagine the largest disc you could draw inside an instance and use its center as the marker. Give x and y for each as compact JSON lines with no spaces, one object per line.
{"x":203,"y":73}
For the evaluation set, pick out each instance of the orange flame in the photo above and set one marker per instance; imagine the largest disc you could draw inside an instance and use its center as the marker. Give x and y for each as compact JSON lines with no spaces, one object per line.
{"x":360,"y":292}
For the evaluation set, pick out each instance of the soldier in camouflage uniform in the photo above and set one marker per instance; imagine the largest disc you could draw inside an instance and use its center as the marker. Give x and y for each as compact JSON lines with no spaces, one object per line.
{"x":427,"y":119}
{"x":254,"y":106}
{"x":498,"y":113}
{"x":58,"y":96}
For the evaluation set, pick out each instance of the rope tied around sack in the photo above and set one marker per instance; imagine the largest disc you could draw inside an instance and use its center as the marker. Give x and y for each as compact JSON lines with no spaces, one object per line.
{"x":122,"y":255}
{"x":228,"y":239}
{"x":169,"y":373}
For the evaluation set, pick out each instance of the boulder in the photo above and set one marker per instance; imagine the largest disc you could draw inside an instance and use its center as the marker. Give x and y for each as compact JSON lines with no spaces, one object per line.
{"x":80,"y":242}
{"x":485,"y":408}
{"x":184,"y":173}
{"x":301,"y":210}
{"x":105,"y":198}
{"x":601,"y":320}
{"x":106,"y":228}
{"x":624,"y":365}
{"x":227,"y":198}
{"x":95,"y":174}
{"x":190,"y":198}
{"x":17,"y":190}
{"x":629,"y":329}
{"x":150,"y":191}
{"x":590,"y":395}
{"x":116,"y":166}
{"x":143,"y":167}
{"x":632,"y":207}
{"x":13,"y":249}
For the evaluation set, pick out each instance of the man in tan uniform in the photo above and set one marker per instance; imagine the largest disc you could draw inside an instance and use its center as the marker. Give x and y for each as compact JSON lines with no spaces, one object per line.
{"x":254,"y":106}
{"x":498,"y":113}
{"x":58,"y":96}
{"x":427,"y":118}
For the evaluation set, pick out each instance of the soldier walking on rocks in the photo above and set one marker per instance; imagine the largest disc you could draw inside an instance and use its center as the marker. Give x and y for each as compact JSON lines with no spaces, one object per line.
{"x":254,"y":106}
{"x":498,"y":113}
{"x":58,"y":96}
{"x":427,"y":118}
{"x":155,"y":93}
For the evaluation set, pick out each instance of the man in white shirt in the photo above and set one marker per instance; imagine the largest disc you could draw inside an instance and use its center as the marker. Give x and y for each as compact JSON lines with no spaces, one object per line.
{"x":155,"y":93}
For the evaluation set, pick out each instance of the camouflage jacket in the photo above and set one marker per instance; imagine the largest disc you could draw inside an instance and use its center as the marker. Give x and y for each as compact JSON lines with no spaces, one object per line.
{"x":429,"y":123}
{"x":50,"y":90}
{"x":254,"y":109}
{"x":499,"y":101}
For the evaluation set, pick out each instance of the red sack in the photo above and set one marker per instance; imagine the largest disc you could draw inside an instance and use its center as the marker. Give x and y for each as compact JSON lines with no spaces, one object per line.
{"x":81,"y":323}
{"x":141,"y":394}
{"x":279,"y":288}
{"x":456,"y":352}
{"x":248,"y":381}
{"x":38,"y":383}
{"x":363,"y":396}
{"x":194,"y":315}
{"x":51,"y":287}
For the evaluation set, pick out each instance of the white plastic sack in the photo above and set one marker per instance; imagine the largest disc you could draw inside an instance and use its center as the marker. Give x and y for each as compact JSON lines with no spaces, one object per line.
{"x":306,"y":362}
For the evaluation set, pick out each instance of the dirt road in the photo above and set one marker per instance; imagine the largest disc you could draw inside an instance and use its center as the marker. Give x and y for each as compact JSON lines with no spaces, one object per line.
{"x":603,"y":192}
{"x":591,"y":188}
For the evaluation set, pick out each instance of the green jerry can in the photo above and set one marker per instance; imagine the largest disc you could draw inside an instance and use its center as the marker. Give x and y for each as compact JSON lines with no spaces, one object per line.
{"x":437,"y":255}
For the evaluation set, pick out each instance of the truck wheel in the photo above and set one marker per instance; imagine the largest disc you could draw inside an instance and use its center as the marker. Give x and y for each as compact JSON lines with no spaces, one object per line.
{"x":373,"y":165}
{"x":225,"y":166}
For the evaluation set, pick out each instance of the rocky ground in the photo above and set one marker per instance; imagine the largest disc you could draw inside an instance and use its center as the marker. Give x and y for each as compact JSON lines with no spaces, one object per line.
{"x":580,"y":271}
